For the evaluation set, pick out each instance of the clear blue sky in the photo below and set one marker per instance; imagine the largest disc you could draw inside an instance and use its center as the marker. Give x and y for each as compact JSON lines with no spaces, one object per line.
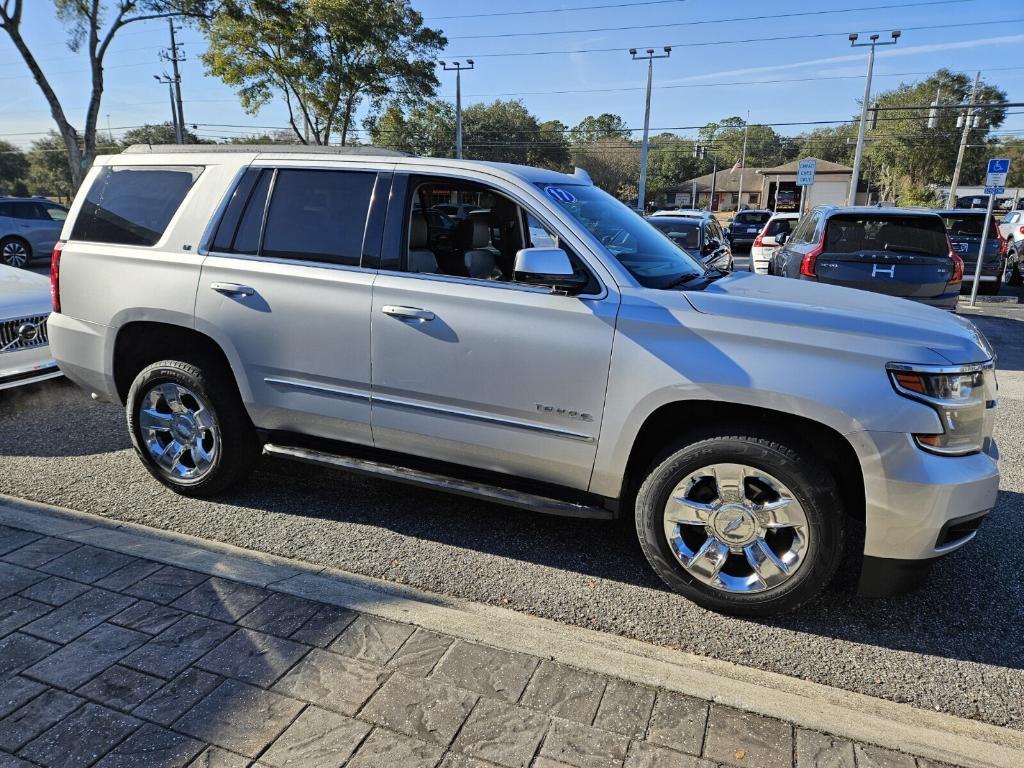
{"x":824,"y":77}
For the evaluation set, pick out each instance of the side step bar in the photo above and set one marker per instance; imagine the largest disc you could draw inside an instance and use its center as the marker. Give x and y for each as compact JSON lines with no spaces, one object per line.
{"x":435,"y":482}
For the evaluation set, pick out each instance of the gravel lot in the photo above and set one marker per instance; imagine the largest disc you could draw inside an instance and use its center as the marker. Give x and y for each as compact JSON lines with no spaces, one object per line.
{"x":957,"y":646}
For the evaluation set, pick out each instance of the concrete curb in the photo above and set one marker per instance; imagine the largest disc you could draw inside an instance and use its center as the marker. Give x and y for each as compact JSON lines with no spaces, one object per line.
{"x":853,"y":716}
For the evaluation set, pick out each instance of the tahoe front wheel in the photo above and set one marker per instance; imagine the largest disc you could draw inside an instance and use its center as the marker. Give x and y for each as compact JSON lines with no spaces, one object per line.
{"x":189,"y":427}
{"x":741,"y":524}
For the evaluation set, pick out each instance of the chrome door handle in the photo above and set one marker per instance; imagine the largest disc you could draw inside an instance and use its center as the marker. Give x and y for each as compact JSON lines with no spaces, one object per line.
{"x":232,"y":289}
{"x":408,"y":313}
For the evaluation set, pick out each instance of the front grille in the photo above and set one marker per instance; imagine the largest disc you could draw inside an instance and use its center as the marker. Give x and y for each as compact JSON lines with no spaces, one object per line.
{"x":12,"y":341}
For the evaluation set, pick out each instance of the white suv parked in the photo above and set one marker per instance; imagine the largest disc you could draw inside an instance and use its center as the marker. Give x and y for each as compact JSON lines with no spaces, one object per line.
{"x":298,"y":303}
{"x":765,"y":243}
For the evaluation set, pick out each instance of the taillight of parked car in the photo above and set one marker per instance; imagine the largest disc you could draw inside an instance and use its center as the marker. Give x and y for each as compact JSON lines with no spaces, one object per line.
{"x":810,"y":259}
{"x":55,"y":275}
{"x":758,"y":241}
{"x":1003,"y":245}
{"x":958,"y":263}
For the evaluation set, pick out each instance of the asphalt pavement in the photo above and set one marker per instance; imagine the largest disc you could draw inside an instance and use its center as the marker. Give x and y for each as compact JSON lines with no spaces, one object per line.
{"x":956,"y":646}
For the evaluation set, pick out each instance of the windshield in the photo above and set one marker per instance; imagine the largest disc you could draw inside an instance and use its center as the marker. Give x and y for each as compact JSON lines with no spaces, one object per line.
{"x":650,"y":256}
{"x":907,"y":234}
{"x":968,"y":226}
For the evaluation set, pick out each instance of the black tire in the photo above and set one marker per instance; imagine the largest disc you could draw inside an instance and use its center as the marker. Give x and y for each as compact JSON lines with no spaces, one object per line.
{"x":990,"y":288}
{"x":8,"y":260}
{"x":1015,"y":278}
{"x":812,"y":486}
{"x":238,"y":445}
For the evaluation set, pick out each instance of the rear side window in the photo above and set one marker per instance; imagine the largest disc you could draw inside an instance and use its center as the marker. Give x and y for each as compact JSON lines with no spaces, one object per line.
{"x":969,"y":226}
{"x":318,"y":215}
{"x":133,"y":205}
{"x":898,"y":234}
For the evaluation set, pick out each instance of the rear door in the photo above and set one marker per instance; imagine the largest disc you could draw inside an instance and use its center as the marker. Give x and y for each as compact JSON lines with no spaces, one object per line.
{"x":896,"y":254}
{"x":284,"y":290}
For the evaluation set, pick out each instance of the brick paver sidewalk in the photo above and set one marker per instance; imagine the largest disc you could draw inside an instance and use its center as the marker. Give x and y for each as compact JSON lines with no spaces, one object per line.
{"x":114,"y":660}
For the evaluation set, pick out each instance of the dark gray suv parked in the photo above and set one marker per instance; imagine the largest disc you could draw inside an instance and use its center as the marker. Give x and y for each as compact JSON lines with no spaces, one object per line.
{"x":895,"y":251}
{"x":745,"y":227}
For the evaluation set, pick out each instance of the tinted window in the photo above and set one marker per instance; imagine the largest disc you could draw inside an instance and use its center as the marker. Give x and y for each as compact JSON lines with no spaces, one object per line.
{"x":779,"y":225}
{"x":228,"y":225}
{"x":752,"y":218}
{"x":969,"y":226}
{"x":55,"y":212}
{"x":683,"y":233}
{"x":7,"y":209}
{"x":902,"y":234}
{"x":318,"y":215}
{"x":133,"y":205}
{"x":247,"y":237}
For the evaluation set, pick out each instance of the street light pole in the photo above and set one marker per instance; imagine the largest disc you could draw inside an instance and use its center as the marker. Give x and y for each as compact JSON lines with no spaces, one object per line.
{"x":650,"y":57}
{"x":967,"y":118}
{"x":457,"y":67}
{"x":859,"y":153}
{"x":743,"y":162}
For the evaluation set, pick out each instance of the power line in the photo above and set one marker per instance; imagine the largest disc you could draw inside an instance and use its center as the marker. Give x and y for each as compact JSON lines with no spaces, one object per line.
{"x":557,"y":10}
{"x":761,"y":39}
{"x":700,"y":22}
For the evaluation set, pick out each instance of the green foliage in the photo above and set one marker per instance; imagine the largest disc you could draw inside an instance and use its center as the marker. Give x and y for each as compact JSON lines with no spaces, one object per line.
{"x":13,"y":170}
{"x":835,"y":144}
{"x":903,"y":147}
{"x":670,"y":161}
{"x":1013,"y":149}
{"x":158,"y":133}
{"x":915,"y":196}
{"x":613,"y":163}
{"x":325,"y":57}
{"x":594,"y":127}
{"x":48,"y":169}
{"x":427,"y":129}
{"x":765,"y":147}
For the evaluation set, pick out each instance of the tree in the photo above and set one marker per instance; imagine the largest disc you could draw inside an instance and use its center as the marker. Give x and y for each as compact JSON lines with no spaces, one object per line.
{"x":427,"y":129}
{"x":903,"y":148}
{"x":324,"y":57}
{"x":670,"y":160}
{"x":603,"y":126}
{"x":553,"y":150}
{"x":93,"y":24}
{"x":765,"y":147}
{"x":1013,"y":149}
{"x":613,"y":163}
{"x":13,"y":170}
{"x":49,"y":172}
{"x":835,"y":144}
{"x":158,"y":133}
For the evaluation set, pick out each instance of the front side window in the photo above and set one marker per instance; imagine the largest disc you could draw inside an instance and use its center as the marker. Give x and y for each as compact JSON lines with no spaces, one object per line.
{"x":132,"y":205}
{"x":318,"y":215}
{"x":55,"y":212}
{"x":652,"y":258}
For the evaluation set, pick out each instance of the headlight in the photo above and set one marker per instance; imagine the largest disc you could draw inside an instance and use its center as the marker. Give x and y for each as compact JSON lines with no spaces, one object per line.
{"x":960,"y":396}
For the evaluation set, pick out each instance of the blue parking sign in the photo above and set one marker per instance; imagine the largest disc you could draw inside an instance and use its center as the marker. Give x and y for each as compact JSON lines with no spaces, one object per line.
{"x":998,"y":168}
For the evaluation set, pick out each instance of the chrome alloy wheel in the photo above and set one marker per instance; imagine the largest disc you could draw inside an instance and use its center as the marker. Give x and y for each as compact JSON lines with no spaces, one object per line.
{"x":736,"y":528}
{"x":14,"y":254}
{"x":179,"y":430}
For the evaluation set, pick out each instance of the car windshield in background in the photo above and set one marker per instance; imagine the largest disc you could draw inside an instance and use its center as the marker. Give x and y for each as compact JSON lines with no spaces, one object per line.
{"x":651,"y":257}
{"x":968,"y":225}
{"x":683,"y":232}
{"x":900,"y":234}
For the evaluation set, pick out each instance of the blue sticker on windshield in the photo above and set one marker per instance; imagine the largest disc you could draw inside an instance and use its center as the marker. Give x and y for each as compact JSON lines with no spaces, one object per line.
{"x":560,"y":195}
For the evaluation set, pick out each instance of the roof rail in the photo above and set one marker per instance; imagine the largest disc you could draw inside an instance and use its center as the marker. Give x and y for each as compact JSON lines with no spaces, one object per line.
{"x":145,"y":149}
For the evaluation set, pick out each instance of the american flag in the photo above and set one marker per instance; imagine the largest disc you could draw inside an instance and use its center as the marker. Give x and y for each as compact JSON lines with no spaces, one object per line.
{"x":736,"y":167}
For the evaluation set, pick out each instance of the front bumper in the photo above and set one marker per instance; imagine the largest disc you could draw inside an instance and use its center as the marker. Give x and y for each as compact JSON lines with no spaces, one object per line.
{"x":27,"y":367}
{"x":918,"y":506}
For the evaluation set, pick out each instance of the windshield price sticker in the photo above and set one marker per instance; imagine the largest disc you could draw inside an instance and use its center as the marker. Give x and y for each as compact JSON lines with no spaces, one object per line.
{"x":560,"y":195}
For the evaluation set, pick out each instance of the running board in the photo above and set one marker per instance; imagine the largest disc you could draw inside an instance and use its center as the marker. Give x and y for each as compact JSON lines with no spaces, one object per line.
{"x":435,"y":482}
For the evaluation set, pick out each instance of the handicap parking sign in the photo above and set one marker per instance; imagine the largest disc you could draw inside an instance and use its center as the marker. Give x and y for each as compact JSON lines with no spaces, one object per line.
{"x":998,"y":168}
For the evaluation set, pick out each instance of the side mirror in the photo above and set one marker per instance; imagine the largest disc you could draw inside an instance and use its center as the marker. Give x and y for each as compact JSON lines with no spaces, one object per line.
{"x":710,"y":247}
{"x":548,"y":266}
{"x":781,"y":238}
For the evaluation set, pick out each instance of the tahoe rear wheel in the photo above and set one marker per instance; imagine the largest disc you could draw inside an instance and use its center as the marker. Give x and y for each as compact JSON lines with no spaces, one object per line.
{"x":189,"y":427}
{"x":741,"y":524}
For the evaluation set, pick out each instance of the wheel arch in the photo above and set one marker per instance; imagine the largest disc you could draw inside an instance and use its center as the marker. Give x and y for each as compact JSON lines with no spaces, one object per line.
{"x":140,"y":343}
{"x":697,"y":418}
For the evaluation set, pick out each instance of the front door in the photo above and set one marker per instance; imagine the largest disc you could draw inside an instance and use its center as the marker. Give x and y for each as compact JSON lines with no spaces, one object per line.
{"x":289,"y":301}
{"x":487,"y":372}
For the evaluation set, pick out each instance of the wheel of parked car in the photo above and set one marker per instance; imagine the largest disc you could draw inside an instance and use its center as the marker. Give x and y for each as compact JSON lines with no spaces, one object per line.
{"x":190,"y":428}
{"x":1012,"y":275}
{"x":741,"y":523}
{"x":15,"y":252}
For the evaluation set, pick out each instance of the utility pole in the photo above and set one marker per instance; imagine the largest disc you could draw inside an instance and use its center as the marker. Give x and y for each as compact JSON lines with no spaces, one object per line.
{"x":743,"y":162}
{"x":966,"y":119}
{"x":458,"y":66}
{"x":859,"y":152}
{"x":650,"y":57}
{"x":174,"y":57}
{"x":178,"y":130}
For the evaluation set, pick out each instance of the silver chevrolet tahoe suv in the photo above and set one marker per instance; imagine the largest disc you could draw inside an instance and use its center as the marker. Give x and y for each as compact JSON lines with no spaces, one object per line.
{"x":544,"y":348}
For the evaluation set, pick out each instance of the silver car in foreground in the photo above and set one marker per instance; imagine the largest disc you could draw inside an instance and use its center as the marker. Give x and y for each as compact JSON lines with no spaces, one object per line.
{"x":556,"y":353}
{"x":24,"y":347}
